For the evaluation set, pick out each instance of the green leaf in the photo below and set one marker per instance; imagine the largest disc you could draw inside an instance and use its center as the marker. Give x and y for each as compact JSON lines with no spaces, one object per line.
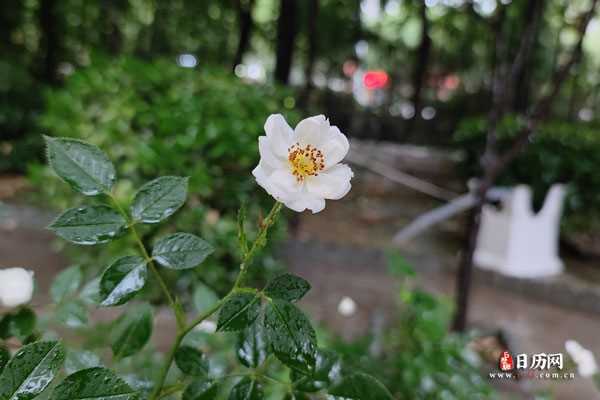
{"x":82,"y":165}
{"x":327,"y":370}
{"x":204,"y":389}
{"x":4,"y":356}
{"x":247,"y":389}
{"x":191,"y":361}
{"x":132,"y":331}
{"x":181,"y":251}
{"x":94,"y":383}
{"x":204,"y":298}
{"x":89,"y":225}
{"x":287,"y":287}
{"x":159,"y":199}
{"x":290,"y":335}
{"x":238,"y":312}
{"x":122,"y":280}
{"x":19,"y":324}
{"x":252,"y":346}
{"x":72,"y":314}
{"x":66,"y":283}
{"x":31,"y":370}
{"x":360,"y":386}
{"x":78,"y":360}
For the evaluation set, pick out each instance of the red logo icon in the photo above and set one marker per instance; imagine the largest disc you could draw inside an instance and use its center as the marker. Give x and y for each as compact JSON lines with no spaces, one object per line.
{"x":506,"y":361}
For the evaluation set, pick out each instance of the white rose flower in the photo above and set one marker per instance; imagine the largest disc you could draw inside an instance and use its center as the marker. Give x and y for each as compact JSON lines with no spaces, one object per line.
{"x":16,"y":286}
{"x":301,"y":168}
{"x":585,"y":360}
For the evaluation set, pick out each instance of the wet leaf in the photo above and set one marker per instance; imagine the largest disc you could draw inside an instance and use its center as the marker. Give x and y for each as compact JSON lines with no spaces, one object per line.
{"x":93,"y":383}
{"x":204,"y":389}
{"x":191,"y":361}
{"x":122,"y":280}
{"x":31,"y":370}
{"x":287,"y":287}
{"x":327,"y":370}
{"x":82,"y":165}
{"x":247,"y":389}
{"x":72,"y":314}
{"x":181,"y":251}
{"x":252,"y":348}
{"x":159,"y":199}
{"x":204,"y":298}
{"x":132,"y":331}
{"x":360,"y":386}
{"x":89,"y":225}
{"x":238,"y":312}
{"x":78,"y":360}
{"x":66,"y":283}
{"x":19,"y":324}
{"x":290,"y":335}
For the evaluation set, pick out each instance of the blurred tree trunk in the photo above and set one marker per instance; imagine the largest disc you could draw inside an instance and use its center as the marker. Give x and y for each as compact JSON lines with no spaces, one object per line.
{"x":286,"y":35}
{"x":521,"y":93}
{"x":49,"y":41}
{"x":112,"y":36}
{"x":422,"y":60}
{"x":246,"y":25}
{"x":313,"y":15}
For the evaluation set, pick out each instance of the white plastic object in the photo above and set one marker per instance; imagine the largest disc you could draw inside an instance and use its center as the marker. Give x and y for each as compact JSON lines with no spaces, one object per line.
{"x":515,"y":241}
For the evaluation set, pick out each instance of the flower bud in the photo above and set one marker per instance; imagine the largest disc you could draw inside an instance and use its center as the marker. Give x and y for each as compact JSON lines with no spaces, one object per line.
{"x":16,"y":286}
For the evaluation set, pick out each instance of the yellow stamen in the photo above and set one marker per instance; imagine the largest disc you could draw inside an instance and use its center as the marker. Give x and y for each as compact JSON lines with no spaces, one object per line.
{"x":305,"y":161}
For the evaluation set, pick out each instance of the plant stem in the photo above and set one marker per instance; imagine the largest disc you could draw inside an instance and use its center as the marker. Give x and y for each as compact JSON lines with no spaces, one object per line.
{"x":258,"y":242}
{"x":150,"y":261}
{"x":185,"y":329}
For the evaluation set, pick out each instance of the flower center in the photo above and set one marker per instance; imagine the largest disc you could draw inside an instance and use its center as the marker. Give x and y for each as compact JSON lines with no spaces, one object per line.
{"x":305,"y":161}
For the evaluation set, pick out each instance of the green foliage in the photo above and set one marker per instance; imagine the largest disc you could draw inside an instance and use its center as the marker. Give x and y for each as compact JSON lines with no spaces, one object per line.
{"x":122,"y":280}
{"x":19,"y":324}
{"x":158,"y":119}
{"x":181,"y":251}
{"x":93,"y":383}
{"x":247,"y":389}
{"x":287,"y":287}
{"x":418,"y":357}
{"x":31,"y":370}
{"x":269,"y":324}
{"x":191,"y":361}
{"x":238,"y":312}
{"x":132,"y":331}
{"x":559,"y":152}
{"x":89,"y":225}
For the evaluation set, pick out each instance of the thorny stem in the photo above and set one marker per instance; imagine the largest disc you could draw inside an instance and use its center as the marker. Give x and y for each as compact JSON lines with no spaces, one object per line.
{"x":185,"y":329}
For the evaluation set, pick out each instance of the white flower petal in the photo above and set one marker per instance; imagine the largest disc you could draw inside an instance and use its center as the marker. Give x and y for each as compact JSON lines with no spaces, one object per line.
{"x":332,"y":184}
{"x":271,"y":180}
{"x":303,"y":200}
{"x":335,"y":147}
{"x":312,"y":131}
{"x":280,"y":134}
{"x":267,"y":154}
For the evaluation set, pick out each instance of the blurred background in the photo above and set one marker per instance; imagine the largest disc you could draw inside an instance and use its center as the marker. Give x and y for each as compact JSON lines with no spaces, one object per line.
{"x":183,"y":87}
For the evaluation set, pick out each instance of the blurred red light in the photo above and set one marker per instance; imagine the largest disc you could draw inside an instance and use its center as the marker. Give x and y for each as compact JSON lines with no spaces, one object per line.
{"x":375,"y":79}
